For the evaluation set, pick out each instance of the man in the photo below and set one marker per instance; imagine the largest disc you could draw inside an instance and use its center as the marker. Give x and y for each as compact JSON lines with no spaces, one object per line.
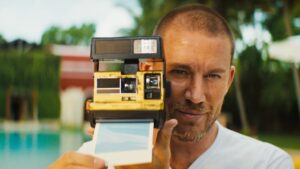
{"x":198,"y":46}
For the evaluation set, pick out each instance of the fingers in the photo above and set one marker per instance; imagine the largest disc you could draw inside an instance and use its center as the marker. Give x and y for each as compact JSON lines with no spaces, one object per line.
{"x":165,"y":134}
{"x":161,"y":151}
{"x":90,"y":131}
{"x":77,"y":160}
{"x":84,"y":160}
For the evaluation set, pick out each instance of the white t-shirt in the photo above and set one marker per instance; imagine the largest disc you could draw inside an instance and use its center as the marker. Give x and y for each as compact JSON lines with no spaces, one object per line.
{"x":232,"y":150}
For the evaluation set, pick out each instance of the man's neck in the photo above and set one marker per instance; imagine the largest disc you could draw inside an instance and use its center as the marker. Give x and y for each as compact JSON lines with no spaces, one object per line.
{"x":185,"y":153}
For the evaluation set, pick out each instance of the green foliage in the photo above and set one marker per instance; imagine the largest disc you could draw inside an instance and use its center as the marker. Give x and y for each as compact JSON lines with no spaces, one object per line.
{"x":251,"y":76}
{"x":75,"y":35}
{"x":282,"y":140}
{"x":268,"y":90}
{"x":32,"y":71}
{"x":2,"y":40}
{"x":275,"y":24}
{"x":278,"y":88}
{"x":49,"y":104}
{"x":152,"y":11}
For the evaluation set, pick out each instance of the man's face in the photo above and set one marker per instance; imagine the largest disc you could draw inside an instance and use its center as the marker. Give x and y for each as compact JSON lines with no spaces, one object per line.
{"x":198,"y":67}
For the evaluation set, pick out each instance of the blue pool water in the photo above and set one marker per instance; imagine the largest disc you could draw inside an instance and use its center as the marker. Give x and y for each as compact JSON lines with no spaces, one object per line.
{"x":36,"y":150}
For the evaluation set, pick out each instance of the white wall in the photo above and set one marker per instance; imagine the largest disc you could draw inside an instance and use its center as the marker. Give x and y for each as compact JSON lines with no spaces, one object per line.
{"x":72,"y":101}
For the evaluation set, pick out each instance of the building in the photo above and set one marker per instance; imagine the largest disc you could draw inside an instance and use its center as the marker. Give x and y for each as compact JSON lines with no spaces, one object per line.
{"x":76,"y":82}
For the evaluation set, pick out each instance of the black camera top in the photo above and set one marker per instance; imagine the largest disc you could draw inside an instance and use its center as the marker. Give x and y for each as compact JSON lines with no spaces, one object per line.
{"x":126,"y":48}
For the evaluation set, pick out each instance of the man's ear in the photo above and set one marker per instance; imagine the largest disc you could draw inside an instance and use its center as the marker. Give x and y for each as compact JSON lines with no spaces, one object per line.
{"x":231,"y":75}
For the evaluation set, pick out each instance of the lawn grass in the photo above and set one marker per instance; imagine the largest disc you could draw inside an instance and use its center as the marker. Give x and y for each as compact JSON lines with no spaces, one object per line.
{"x":282,"y":140}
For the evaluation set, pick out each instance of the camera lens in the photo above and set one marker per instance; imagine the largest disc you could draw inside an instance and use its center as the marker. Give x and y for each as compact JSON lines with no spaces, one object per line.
{"x":128,"y":85}
{"x":152,"y":81}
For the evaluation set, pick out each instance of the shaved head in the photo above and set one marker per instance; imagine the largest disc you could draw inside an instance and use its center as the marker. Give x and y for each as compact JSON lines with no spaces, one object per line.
{"x":196,"y":18}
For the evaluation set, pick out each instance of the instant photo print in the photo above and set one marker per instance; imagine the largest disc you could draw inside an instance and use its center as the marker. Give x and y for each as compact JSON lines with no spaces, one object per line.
{"x":128,"y":93}
{"x":124,"y":142}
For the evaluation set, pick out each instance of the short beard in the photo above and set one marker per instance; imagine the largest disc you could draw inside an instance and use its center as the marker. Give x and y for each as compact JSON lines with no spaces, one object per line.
{"x":191,"y":136}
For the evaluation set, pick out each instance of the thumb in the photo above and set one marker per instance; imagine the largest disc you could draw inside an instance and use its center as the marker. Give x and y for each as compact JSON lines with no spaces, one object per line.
{"x":165,"y":134}
{"x":161,"y":151}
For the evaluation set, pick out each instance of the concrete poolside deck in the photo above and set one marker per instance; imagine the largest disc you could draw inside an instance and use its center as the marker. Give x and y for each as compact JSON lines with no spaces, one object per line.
{"x":29,"y":126}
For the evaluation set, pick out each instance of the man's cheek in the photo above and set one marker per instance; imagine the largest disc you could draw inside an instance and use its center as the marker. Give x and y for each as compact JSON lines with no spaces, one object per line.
{"x":177,"y":90}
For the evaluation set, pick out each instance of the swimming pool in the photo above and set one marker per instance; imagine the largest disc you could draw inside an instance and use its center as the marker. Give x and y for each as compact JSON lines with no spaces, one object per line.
{"x":36,"y":149}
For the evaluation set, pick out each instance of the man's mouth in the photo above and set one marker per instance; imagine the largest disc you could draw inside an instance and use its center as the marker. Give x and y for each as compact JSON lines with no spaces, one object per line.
{"x":190,"y":114}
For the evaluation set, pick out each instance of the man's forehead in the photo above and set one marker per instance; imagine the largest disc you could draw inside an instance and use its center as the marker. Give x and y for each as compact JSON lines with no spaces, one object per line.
{"x":195,"y":51}
{"x":175,"y":34}
{"x":175,"y":31}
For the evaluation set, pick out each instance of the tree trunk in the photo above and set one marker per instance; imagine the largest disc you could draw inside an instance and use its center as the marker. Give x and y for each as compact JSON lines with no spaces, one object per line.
{"x":289,"y":31}
{"x":34,"y":104}
{"x":23,"y":108}
{"x":241,"y":106}
{"x":8,"y":103}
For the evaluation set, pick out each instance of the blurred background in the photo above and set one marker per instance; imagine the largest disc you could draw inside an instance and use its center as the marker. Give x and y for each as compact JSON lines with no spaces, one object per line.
{"x":46,"y":74}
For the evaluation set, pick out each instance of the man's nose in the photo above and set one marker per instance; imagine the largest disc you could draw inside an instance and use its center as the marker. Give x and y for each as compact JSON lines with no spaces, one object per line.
{"x":195,"y":91}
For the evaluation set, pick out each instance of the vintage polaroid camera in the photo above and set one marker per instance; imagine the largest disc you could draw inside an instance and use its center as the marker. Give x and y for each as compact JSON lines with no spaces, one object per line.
{"x":128,"y":93}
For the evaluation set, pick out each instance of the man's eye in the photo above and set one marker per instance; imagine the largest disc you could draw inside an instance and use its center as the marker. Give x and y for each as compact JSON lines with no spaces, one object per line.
{"x":213,"y":76}
{"x":180,"y":73}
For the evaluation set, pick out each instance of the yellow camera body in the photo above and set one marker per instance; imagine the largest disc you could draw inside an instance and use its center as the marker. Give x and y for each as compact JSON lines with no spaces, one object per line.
{"x":129,"y":93}
{"x":114,"y":96}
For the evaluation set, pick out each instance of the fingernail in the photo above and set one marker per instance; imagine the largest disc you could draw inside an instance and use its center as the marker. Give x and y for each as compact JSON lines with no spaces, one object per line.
{"x":174,"y":121}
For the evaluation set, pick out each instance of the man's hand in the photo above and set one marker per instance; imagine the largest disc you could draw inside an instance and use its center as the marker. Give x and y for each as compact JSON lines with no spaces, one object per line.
{"x":161,"y":152}
{"x":90,"y":131}
{"x":73,"y":160}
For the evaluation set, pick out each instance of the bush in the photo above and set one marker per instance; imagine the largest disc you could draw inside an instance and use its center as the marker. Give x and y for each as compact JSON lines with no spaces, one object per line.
{"x":48,"y":104}
{"x":30,"y":71}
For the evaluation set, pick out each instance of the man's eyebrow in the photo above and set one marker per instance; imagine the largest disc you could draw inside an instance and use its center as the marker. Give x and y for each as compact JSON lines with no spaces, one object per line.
{"x":187,"y":67}
{"x":217,"y":70}
{"x":180,"y":66}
